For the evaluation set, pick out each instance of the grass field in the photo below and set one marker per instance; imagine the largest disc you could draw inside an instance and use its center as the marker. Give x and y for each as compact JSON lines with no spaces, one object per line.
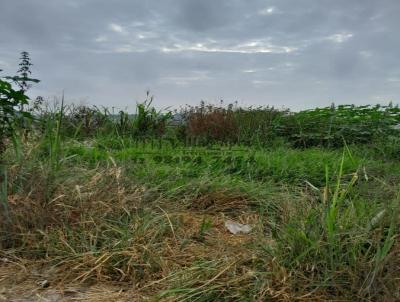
{"x":103,"y":213}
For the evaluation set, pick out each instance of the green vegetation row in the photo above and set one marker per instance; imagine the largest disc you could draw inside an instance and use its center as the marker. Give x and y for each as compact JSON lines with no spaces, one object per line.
{"x":208,"y":124}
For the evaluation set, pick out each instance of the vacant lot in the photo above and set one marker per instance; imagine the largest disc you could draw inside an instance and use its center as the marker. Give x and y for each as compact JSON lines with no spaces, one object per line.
{"x":98,"y":212}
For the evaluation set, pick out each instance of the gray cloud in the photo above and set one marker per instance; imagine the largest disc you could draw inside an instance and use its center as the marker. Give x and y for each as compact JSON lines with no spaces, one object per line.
{"x":294,"y":53}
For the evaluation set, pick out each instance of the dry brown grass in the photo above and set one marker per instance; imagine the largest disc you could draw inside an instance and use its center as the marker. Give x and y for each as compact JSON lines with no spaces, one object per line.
{"x":220,"y":201}
{"x":169,"y":252}
{"x":23,"y":281}
{"x":100,"y":237}
{"x":211,"y":123}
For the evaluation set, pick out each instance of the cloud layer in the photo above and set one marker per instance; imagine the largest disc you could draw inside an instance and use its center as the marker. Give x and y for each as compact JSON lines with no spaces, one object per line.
{"x":293,"y":53}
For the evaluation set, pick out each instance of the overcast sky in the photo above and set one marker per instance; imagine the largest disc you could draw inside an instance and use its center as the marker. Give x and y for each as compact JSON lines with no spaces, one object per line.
{"x":293,"y":53}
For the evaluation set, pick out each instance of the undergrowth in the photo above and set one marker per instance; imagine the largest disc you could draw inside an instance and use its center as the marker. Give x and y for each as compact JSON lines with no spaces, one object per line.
{"x":155,"y":217}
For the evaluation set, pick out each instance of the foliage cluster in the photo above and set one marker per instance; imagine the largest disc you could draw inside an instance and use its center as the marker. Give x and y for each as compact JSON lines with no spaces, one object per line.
{"x":12,"y":101}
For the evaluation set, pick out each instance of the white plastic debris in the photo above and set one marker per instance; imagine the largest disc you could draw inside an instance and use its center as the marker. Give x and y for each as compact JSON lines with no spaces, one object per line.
{"x":236,"y":228}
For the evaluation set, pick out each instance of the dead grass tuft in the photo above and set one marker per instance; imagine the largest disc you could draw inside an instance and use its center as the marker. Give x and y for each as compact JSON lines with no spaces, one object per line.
{"x":219,"y":201}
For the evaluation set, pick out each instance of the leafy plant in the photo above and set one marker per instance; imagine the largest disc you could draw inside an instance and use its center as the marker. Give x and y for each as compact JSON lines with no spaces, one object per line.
{"x":10,"y":100}
{"x":23,"y":78}
{"x":331,"y":126}
{"x":149,"y":121}
{"x":11,"y":112}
